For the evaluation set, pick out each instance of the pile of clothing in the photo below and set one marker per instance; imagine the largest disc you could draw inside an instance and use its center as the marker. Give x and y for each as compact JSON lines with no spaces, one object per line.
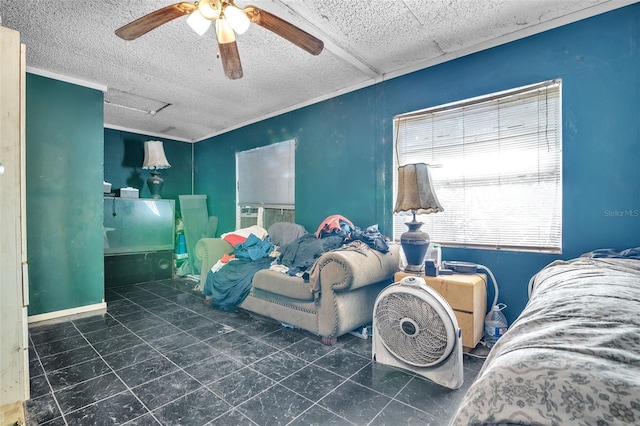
{"x":286,"y":247}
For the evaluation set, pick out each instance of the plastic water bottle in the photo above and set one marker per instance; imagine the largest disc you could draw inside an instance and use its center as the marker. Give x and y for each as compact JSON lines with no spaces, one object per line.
{"x":495,"y":324}
{"x":435,"y":253}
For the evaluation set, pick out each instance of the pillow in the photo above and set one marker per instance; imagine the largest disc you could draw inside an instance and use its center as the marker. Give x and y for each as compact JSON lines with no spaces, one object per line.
{"x":256,"y":230}
{"x":281,"y":233}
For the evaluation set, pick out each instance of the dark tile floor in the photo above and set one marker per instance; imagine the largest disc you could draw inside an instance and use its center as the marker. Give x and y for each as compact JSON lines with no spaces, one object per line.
{"x":160,"y":355}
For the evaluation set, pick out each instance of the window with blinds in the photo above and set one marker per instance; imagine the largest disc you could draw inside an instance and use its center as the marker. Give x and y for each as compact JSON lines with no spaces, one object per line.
{"x":266,"y":184}
{"x":496,"y":165}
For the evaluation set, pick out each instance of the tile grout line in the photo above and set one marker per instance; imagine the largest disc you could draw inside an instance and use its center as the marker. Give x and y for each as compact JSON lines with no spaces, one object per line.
{"x":202,"y":385}
{"x":349,"y":378}
{"x":161,"y":354}
{"x":119,"y":378}
{"x":314,"y":403}
{"x":374,"y":390}
{"x":53,"y":395}
{"x":193,"y":313}
{"x":392,"y":399}
{"x":276,"y":382}
{"x":110,"y":367}
{"x":128,"y":388}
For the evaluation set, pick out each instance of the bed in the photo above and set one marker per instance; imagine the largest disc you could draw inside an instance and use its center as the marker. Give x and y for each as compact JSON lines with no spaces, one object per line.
{"x":572,"y":357}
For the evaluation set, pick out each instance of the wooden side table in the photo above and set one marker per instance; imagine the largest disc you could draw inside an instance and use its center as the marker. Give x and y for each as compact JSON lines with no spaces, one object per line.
{"x":467,"y":296}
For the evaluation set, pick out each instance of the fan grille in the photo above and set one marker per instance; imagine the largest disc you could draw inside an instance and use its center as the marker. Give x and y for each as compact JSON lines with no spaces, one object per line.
{"x":411,"y":329}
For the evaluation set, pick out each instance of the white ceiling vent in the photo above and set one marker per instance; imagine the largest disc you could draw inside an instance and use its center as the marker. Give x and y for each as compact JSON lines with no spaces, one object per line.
{"x":134,"y":102}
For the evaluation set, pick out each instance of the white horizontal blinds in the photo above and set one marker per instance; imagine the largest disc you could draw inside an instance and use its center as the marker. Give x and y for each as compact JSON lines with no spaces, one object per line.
{"x":496,"y":169}
{"x":266,"y":175}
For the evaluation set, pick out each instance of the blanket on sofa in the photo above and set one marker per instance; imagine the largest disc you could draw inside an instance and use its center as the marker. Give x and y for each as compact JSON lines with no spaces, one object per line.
{"x":229,"y":286}
{"x":300,"y":254}
{"x":573,"y":355}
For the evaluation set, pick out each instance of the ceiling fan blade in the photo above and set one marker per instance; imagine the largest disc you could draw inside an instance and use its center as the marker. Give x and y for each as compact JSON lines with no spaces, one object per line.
{"x":230,"y":58}
{"x":153,"y":20}
{"x":284,"y":29}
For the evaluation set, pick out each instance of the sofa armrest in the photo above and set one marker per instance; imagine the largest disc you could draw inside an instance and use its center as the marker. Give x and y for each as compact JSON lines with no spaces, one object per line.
{"x":209,"y":251}
{"x":345,"y":270}
{"x":345,"y":285}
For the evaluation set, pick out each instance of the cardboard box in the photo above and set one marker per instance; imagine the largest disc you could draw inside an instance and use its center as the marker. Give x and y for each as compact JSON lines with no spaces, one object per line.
{"x":128,"y":192}
{"x":467,"y":296}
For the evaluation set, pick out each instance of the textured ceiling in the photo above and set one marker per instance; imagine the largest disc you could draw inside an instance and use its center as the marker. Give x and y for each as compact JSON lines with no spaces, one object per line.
{"x":170,"y":83}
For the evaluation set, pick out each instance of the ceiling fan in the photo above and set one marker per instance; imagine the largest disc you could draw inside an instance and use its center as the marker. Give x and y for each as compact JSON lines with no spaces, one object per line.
{"x":229,"y":20}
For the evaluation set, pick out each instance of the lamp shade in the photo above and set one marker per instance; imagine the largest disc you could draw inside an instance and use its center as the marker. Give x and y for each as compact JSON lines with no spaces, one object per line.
{"x":415,"y":196}
{"x":154,"y":157}
{"x":415,"y":191}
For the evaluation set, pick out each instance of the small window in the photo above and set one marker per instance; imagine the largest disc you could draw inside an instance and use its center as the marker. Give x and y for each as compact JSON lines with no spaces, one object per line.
{"x":266,"y":185}
{"x":496,"y":165}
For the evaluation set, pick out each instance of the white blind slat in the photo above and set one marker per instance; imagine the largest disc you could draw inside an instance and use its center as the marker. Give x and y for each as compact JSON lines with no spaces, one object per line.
{"x":499,"y":168}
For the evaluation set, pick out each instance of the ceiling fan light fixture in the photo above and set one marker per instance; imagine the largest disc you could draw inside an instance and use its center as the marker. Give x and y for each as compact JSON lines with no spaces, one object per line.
{"x":224,"y":32}
{"x":238,"y":20}
{"x":198,"y":23}
{"x":228,"y":18}
{"x":207,"y":10}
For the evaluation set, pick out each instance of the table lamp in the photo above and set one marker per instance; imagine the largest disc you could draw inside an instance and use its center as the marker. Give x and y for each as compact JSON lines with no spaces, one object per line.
{"x":155,"y":159}
{"x":415,"y":196}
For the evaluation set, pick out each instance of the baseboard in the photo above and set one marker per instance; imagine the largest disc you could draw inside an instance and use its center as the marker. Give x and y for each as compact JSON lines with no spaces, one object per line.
{"x":81,"y":311}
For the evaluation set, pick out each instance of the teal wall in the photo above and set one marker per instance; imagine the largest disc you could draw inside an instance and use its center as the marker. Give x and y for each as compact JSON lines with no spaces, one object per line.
{"x":123,"y":157}
{"x":344,"y":156}
{"x":64,"y":140}
{"x":336,"y":161}
{"x":344,"y":145}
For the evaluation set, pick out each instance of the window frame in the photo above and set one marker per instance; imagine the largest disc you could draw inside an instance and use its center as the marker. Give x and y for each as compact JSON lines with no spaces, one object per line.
{"x":498,"y":99}
{"x":248,"y":209}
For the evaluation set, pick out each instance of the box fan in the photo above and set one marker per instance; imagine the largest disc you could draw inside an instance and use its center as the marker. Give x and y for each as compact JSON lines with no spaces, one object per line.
{"x":415,"y":329}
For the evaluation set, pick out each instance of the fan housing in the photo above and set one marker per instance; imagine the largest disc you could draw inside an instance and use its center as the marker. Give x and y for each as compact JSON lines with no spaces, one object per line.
{"x":415,"y":329}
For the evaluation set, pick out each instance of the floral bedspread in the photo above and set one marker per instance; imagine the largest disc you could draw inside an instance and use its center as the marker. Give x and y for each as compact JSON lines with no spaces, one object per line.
{"x":573,"y":355}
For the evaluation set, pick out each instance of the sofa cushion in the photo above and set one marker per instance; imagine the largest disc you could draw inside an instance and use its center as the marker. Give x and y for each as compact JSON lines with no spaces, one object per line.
{"x":282,"y":284}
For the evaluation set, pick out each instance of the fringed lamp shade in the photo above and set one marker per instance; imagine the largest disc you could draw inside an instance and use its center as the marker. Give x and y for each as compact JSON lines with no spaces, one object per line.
{"x":415,"y":196}
{"x":155,"y":159}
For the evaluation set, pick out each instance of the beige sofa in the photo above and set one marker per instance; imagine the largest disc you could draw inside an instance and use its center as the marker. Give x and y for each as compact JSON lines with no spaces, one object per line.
{"x":347,"y":282}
